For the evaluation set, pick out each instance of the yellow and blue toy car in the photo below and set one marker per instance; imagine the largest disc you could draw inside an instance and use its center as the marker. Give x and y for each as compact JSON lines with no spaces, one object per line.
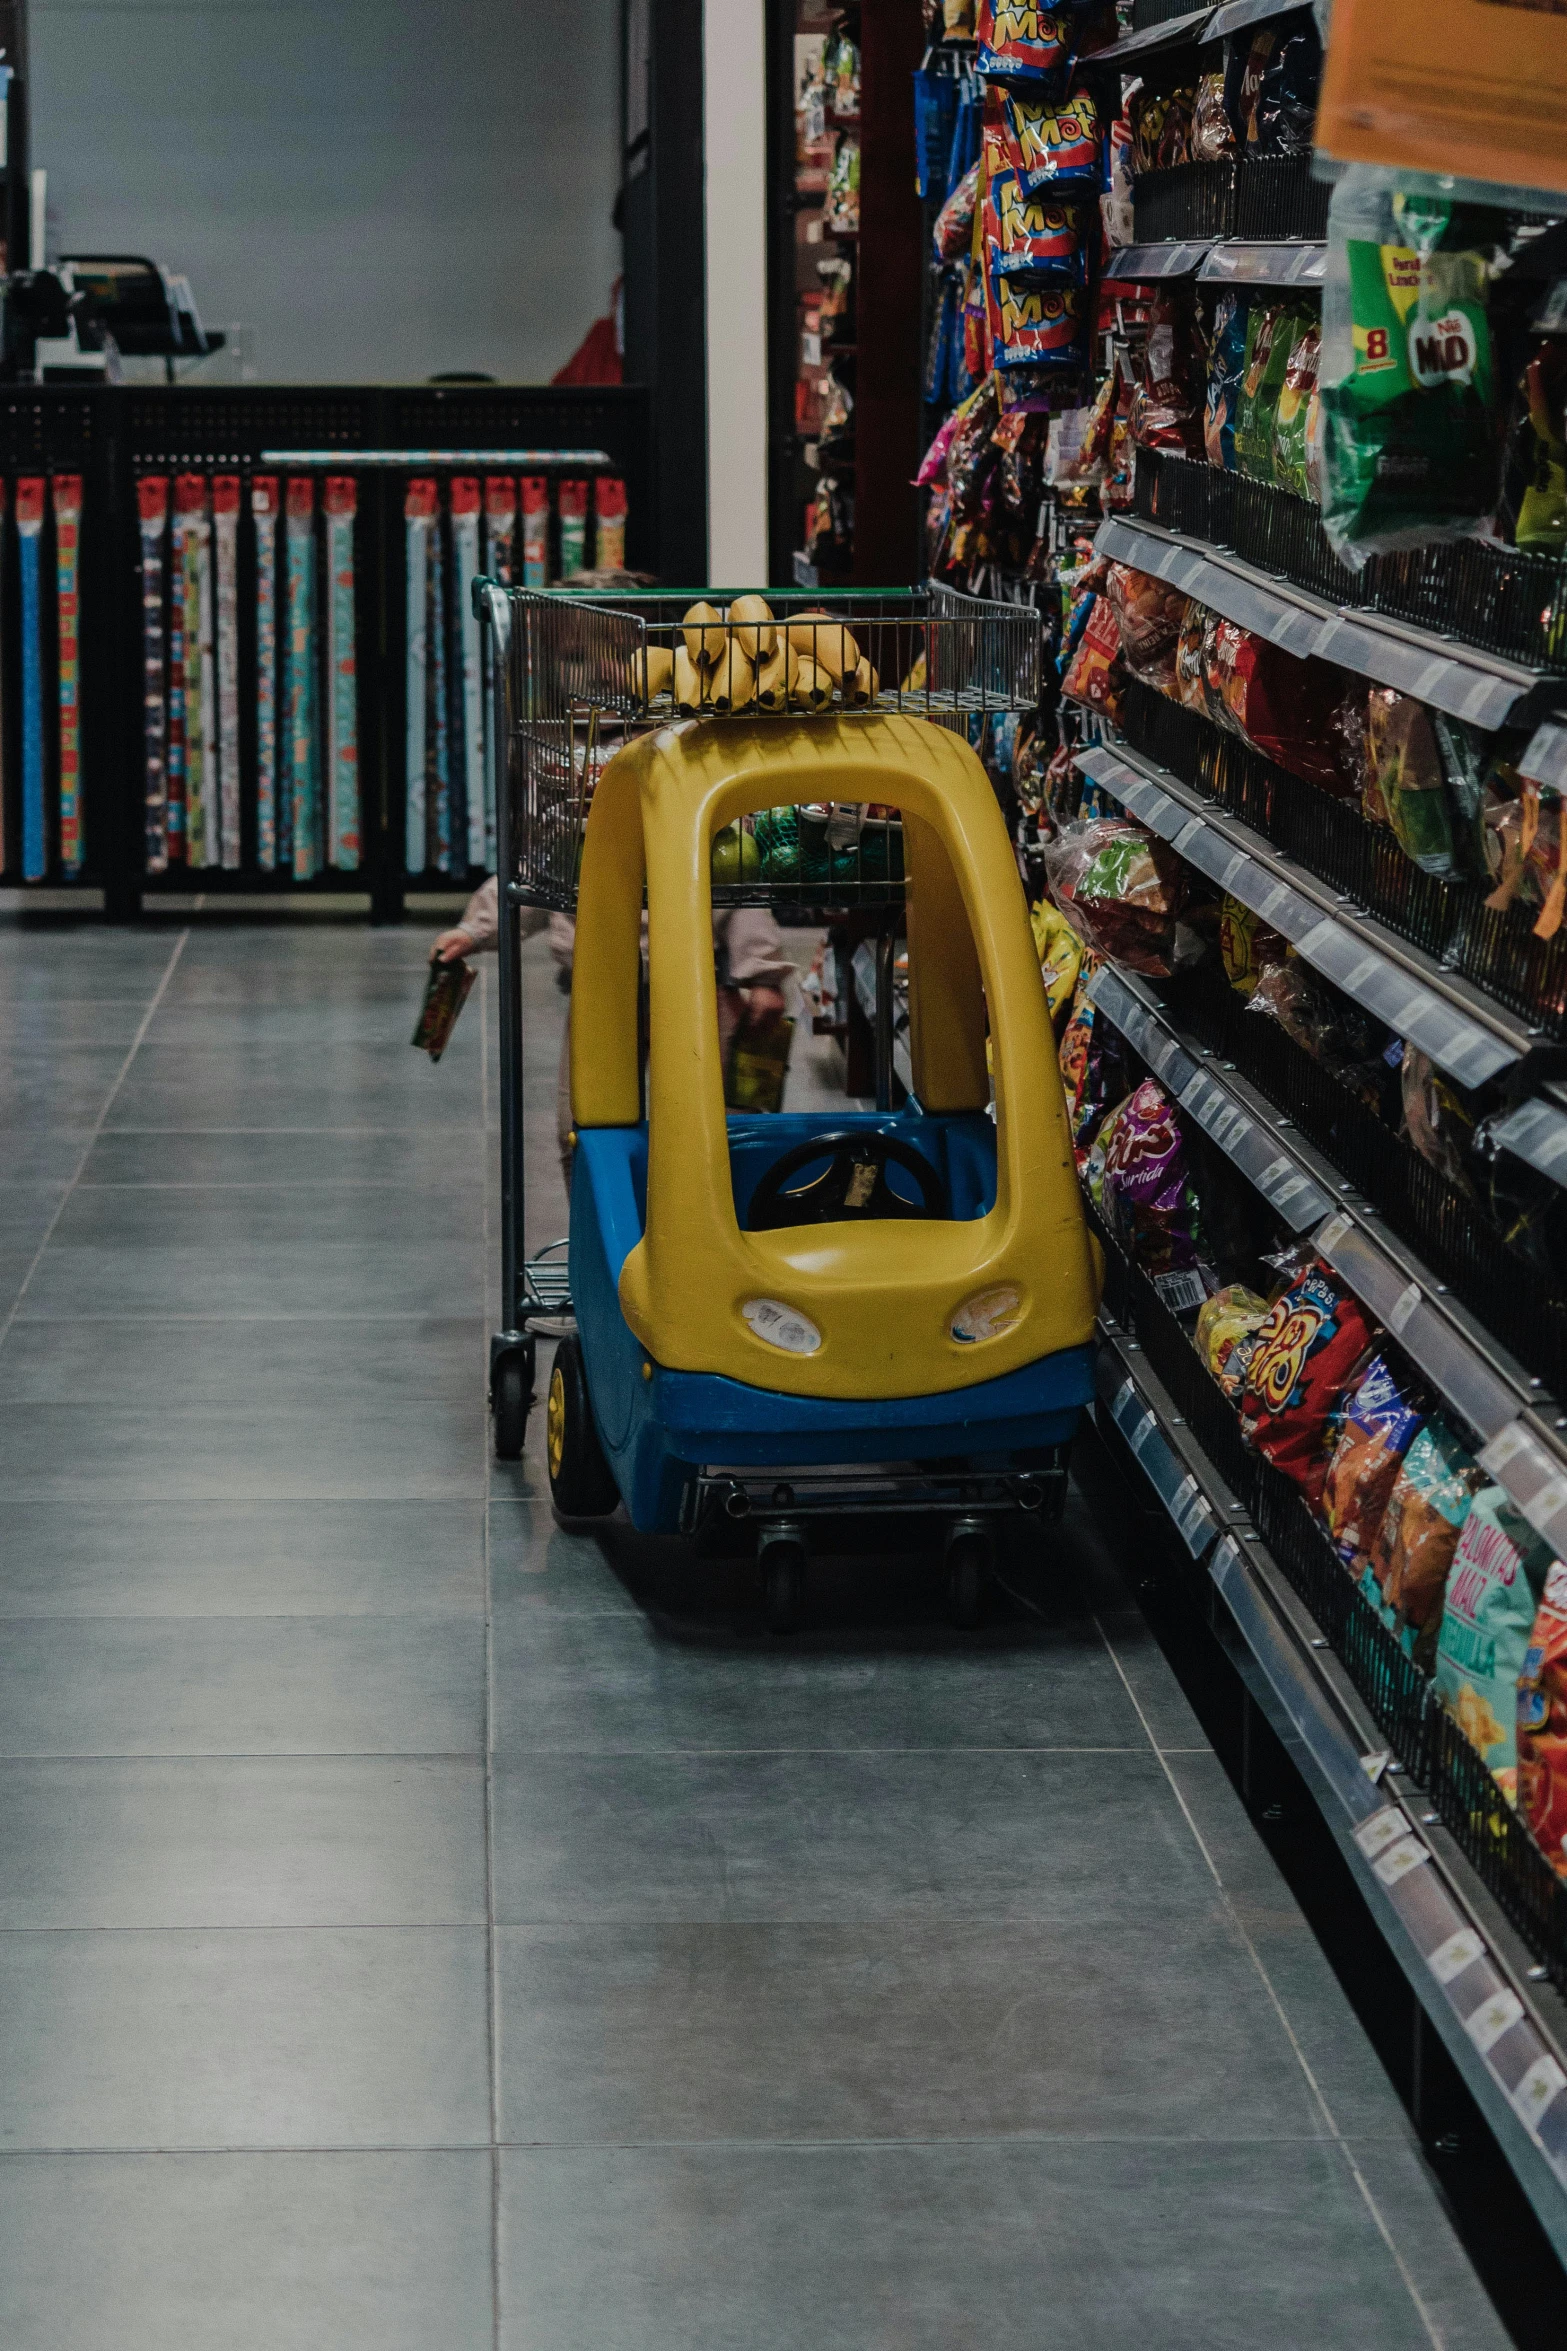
{"x":782,"y":1315}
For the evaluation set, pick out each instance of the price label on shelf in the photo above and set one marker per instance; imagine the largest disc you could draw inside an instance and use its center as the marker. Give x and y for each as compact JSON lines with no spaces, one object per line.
{"x":1383,"y":1829}
{"x":1492,"y":2018}
{"x":1402,"y":1311}
{"x":1538,"y":2087}
{"x":1460,"y":1951}
{"x":1400,"y":1859}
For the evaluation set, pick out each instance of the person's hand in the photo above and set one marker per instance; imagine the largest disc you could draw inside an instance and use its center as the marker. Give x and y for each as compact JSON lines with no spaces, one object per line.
{"x":762,"y":1006}
{"x":450,"y":947}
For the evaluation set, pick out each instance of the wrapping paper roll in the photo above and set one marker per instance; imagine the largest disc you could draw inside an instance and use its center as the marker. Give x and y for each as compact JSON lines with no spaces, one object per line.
{"x":225,"y":540}
{"x":29,"y":531}
{"x":341,"y":499}
{"x":300,"y":678}
{"x":419,"y":509}
{"x":264,"y":513}
{"x":465,"y":565}
{"x":152,"y":507}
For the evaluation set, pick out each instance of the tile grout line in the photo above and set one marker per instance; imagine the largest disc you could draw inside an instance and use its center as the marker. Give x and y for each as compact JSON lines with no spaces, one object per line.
{"x":492,"y":1971}
{"x":1433,"y":2331}
{"x":90,"y":1145}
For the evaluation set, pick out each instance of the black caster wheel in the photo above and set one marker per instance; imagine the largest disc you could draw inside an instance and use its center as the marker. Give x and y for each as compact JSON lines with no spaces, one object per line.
{"x":511,"y":1393}
{"x":582,"y":1484}
{"x":783,"y":1586}
{"x":968,"y":1580}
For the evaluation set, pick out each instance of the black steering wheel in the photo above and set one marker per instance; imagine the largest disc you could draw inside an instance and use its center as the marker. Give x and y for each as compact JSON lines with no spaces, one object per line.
{"x":854,"y":1185}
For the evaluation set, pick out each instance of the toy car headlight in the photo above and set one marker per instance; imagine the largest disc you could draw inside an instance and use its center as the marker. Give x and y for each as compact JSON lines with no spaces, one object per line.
{"x":987,"y":1314}
{"x":782,"y":1326}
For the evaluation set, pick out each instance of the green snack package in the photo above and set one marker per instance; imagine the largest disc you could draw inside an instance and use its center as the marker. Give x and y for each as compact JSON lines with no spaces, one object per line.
{"x":1412,"y":449}
{"x":1534,"y":476}
{"x":1493,"y":1589}
{"x":1270,"y":337}
{"x":1409,"y":779}
{"x":1291,"y":469}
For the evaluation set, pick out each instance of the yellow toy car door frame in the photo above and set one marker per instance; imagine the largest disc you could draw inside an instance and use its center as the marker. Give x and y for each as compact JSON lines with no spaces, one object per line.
{"x":853,"y":1310}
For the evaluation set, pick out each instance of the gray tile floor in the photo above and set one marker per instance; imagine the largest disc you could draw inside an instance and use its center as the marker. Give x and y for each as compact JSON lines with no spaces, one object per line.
{"x":423,"y":1929}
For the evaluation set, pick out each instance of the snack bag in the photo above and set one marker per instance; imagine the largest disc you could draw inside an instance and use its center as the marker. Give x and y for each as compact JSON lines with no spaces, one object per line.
{"x":1190,"y":686}
{"x":1147,"y":1197}
{"x":1291,"y":423}
{"x":1060,"y":953}
{"x":1409,"y":394}
{"x":1379,"y":1426}
{"x":1039,"y":323}
{"x":1020,"y":42}
{"x":1437,"y":1122}
{"x":1092,"y":674}
{"x":535,"y":531}
{"x":1412,"y":1549}
{"x":953,"y":233}
{"x":1164,"y":404}
{"x":1285,"y":111}
{"x":1054,"y":141}
{"x":1534,"y":472}
{"x":1410,"y":785}
{"x":1149,"y":615}
{"x":1247,"y":947}
{"x":1270,"y":338}
{"x":1228,"y":1319}
{"x":1226,"y":366}
{"x":1542,"y":1723}
{"x":1120,"y":888}
{"x":609,"y":509}
{"x":1311,"y":1347}
{"x":1493,"y":1589}
{"x":1213,"y":134}
{"x":1037,"y":236}
{"x":1247,"y":56}
{"x":1283,"y":706}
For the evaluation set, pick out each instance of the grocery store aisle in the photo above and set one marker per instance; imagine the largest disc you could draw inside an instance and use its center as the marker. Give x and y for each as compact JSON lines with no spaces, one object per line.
{"x":423,"y":1926}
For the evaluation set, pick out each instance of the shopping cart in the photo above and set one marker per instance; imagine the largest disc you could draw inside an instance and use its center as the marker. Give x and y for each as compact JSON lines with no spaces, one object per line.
{"x":960,"y":1344}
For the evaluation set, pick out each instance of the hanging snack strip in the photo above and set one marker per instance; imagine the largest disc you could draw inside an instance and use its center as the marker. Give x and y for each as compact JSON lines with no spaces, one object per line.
{"x":152,"y":506}
{"x":225,"y":799}
{"x":341,"y":500}
{"x":419,"y":512}
{"x":264,"y":515}
{"x":67,"y":556}
{"x":535,"y":531}
{"x":29,"y":528}
{"x":190,"y":535}
{"x":437,"y":732}
{"x":304,"y":794}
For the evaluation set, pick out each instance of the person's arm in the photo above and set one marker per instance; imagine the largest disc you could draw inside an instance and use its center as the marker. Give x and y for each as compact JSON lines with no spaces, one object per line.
{"x":479,"y":929}
{"x":756,"y":949}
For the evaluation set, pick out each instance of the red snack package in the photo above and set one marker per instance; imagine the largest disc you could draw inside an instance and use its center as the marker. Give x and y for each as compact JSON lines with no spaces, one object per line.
{"x":1542,"y":1723}
{"x":1166,"y":407}
{"x":535,"y":531}
{"x":1120,"y":889}
{"x":1310,"y":1349}
{"x":1283,"y":706}
{"x":1378,"y":1429}
{"x":1092,"y":674}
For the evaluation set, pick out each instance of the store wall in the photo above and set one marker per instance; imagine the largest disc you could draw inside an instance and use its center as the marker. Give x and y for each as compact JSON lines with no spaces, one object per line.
{"x":380,"y":188}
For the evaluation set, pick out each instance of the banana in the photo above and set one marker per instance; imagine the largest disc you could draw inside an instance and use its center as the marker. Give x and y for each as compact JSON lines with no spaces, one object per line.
{"x":772,"y":678}
{"x":732,"y":682}
{"x":705,"y":634}
{"x":691,"y":695}
{"x":653,"y":671}
{"x":810,"y":686}
{"x":751,"y":619}
{"x":817,"y":637}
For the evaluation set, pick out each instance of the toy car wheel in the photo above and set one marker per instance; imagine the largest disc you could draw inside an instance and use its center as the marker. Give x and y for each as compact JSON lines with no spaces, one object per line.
{"x":783,"y":1586}
{"x":582,"y":1484}
{"x":511,"y":1393}
{"x":968,"y":1580}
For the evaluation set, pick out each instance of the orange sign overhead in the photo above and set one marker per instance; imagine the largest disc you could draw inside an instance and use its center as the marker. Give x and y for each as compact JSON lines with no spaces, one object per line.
{"x":1477,"y":88}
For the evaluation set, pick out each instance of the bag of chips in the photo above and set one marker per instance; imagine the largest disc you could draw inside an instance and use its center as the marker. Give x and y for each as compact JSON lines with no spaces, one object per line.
{"x":1412,"y":451}
{"x":1147,"y":1195}
{"x":1093,"y":674}
{"x":1190,"y":685}
{"x":1413,"y":1547}
{"x":1149,"y":614}
{"x":1291,"y":469}
{"x":1493,"y":1589}
{"x":1165,"y":402}
{"x":1060,"y":953}
{"x":1283,"y":706}
{"x":1040,"y":322}
{"x":1038,"y":236}
{"x":1310,"y":1349}
{"x":1542,"y":1723}
{"x":1271,"y":334}
{"x":1020,"y":42}
{"x":1247,"y":56}
{"x":953,"y":233}
{"x":1213,"y":134}
{"x":1285,"y":111}
{"x":1053,"y":140}
{"x":1410,"y":784}
{"x":1437,"y":1122}
{"x":1380,"y":1423}
{"x":1228,"y":1320}
{"x":1247,"y":947}
{"x":1226,"y":366}
{"x":1120,"y":888}
{"x":1533,"y":510}
{"x":1093,"y":1070}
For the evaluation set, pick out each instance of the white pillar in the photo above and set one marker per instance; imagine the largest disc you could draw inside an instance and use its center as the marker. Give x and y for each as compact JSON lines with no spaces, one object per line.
{"x":734,"y":57}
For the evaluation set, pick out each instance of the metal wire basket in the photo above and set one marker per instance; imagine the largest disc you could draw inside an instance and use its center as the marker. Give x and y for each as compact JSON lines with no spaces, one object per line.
{"x":586,"y":672}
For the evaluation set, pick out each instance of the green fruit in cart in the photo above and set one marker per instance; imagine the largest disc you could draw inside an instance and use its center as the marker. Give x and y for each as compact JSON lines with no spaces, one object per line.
{"x":736,"y":857}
